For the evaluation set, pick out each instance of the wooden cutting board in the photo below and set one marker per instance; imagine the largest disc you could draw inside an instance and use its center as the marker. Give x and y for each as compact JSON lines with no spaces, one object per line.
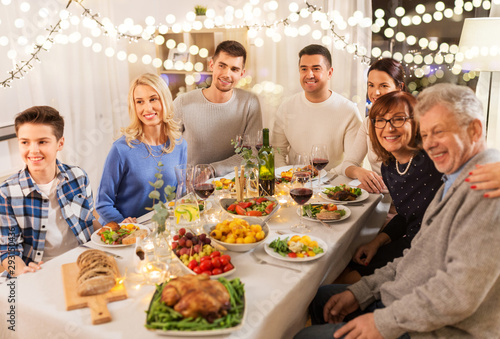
{"x":99,"y":312}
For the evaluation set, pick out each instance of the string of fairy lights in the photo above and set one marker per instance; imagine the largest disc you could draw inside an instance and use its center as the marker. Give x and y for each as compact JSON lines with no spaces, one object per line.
{"x":326,"y":28}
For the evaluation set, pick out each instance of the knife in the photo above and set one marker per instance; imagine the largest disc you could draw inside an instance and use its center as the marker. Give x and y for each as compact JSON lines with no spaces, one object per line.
{"x":112,"y":254}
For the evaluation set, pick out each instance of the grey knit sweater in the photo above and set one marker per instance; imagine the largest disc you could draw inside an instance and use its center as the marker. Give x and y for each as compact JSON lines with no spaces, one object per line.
{"x":448,"y":284}
{"x":209,"y":127}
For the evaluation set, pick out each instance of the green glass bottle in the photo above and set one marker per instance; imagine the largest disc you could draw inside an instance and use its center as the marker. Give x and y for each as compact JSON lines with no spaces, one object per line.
{"x":266,"y":166}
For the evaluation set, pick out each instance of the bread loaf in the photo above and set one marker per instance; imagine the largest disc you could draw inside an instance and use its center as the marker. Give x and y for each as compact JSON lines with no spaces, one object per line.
{"x":98,"y":273}
{"x":130,"y":239}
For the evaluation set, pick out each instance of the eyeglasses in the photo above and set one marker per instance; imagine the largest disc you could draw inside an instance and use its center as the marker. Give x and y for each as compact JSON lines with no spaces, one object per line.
{"x":396,"y":122}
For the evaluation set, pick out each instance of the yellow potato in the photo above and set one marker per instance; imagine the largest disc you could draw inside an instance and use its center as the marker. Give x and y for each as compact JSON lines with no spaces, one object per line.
{"x":256,"y":228}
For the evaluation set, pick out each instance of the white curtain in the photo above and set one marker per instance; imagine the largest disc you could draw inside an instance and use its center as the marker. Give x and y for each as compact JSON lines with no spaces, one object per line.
{"x":482,"y":91}
{"x":87,"y":88}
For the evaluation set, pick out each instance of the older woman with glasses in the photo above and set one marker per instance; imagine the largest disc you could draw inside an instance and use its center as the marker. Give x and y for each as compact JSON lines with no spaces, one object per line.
{"x":410,"y":177}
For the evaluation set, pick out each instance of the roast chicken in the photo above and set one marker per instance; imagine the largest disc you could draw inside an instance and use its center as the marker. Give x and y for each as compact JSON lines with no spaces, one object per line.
{"x":196,"y":296}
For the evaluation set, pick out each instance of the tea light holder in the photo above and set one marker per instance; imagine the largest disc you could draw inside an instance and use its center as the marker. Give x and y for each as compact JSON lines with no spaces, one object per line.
{"x":155,"y":272}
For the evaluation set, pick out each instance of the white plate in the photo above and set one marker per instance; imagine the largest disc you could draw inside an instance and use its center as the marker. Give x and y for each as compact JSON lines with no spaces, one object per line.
{"x":96,"y":238}
{"x":364,"y":195}
{"x":277,"y":172}
{"x":340,"y":207}
{"x":273,"y":254}
{"x":215,"y":277}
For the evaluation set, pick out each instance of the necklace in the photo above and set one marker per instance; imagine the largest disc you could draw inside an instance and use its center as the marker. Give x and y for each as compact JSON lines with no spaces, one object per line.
{"x":407,"y":166}
{"x":150,"y":151}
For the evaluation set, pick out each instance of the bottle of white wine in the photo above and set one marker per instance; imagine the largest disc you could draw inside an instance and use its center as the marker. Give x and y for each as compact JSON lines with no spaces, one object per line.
{"x":266,"y":166}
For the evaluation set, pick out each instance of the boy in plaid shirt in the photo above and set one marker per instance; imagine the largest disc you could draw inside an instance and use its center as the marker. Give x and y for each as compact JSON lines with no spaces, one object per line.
{"x":46,"y":208}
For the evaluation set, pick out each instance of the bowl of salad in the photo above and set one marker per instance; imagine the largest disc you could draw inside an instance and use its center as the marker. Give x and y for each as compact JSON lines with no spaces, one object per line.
{"x":258,"y":207}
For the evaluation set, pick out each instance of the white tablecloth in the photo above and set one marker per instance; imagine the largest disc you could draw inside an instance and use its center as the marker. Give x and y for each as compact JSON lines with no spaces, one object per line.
{"x":277,"y":298}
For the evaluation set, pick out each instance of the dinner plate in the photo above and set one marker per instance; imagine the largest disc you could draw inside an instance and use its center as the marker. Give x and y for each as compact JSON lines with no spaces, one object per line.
{"x":276,"y":255}
{"x":277,"y":172}
{"x":340,"y":207}
{"x":96,"y":238}
{"x":364,"y":195}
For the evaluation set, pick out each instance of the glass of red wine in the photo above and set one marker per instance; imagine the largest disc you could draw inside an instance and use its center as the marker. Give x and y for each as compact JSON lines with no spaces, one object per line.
{"x":203,"y":182}
{"x":319,"y":159}
{"x":301,"y":191}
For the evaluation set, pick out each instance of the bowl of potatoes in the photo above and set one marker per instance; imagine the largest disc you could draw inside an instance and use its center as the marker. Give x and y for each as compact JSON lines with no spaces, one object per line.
{"x":238,"y":235}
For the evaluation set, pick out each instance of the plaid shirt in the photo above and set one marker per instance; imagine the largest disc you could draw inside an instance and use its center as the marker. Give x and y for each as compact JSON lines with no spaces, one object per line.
{"x":24,"y":212}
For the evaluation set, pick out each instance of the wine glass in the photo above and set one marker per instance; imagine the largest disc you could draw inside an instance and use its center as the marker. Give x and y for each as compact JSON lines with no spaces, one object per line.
{"x":319,"y":159}
{"x":203,"y":182}
{"x":301,"y":162}
{"x":301,"y":191}
{"x":247,"y":142}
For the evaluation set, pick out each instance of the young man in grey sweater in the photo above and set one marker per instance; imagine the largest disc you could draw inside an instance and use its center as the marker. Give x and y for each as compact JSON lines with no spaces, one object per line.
{"x":447,"y":285}
{"x":213,"y":116}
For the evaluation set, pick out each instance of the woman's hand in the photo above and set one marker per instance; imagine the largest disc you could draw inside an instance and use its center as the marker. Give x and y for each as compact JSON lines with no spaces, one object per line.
{"x":486,"y":177}
{"x":129,"y":220}
{"x":32,"y":267}
{"x":370,"y":181}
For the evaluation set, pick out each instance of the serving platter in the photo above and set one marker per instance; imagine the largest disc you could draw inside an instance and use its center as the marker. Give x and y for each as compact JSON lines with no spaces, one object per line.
{"x":277,"y":172}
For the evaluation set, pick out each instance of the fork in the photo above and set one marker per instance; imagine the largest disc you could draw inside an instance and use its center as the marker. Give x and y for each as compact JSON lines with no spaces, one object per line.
{"x":309,"y":214}
{"x":262,"y":261}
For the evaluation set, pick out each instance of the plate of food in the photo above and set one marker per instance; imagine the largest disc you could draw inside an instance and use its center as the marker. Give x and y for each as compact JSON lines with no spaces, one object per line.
{"x":284,"y":174}
{"x":198,"y":255}
{"x":328,"y":212}
{"x":344,"y":194}
{"x":195,"y":306}
{"x":259,"y":207}
{"x":119,"y":235}
{"x":296,"y":248}
{"x":223,"y":184}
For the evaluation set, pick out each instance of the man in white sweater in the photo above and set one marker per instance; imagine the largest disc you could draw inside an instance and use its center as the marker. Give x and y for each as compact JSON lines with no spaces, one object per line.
{"x":315,"y":116}
{"x":447,"y":284}
{"x":213,"y":116}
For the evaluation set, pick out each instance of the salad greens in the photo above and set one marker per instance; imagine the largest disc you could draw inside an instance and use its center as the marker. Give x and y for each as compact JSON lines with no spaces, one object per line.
{"x":280,"y":246}
{"x":343,"y":187}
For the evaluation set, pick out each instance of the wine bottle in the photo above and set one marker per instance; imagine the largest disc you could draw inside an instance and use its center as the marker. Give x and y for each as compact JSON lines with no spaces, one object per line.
{"x":266,"y":166}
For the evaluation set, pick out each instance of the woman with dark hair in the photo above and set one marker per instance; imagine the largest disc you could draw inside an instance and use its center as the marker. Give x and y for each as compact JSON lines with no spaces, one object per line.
{"x":384,"y":76}
{"x":410,"y":177}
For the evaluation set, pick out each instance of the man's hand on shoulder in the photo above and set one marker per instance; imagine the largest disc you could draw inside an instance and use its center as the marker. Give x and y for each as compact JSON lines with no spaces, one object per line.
{"x":338,"y":306}
{"x":360,"y":327}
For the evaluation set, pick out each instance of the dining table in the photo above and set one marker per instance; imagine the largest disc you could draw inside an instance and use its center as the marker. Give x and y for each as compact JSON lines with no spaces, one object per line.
{"x":276,"y":297}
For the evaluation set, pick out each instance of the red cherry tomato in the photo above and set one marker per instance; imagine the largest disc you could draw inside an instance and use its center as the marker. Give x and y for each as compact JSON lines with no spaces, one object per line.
{"x":254,"y":213}
{"x":207,"y":272}
{"x":261,"y":200}
{"x":245,"y":204}
{"x":217,"y":271}
{"x":192,"y":264}
{"x":231,"y":207}
{"x":216,"y":262}
{"x":331,"y":207}
{"x":240,"y":210}
{"x":206,"y":265}
{"x":207,"y":257}
{"x":228,"y":267}
{"x":197,"y":270}
{"x":292,"y":255}
{"x":215,"y":254}
{"x":269,"y":208}
{"x":225,"y":259}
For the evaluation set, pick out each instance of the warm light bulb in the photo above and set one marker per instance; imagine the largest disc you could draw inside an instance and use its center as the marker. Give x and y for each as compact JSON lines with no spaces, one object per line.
{"x":132,"y":58}
{"x":198,"y":67}
{"x":146,"y":59}
{"x":203,"y":52}
{"x":157,"y":62}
